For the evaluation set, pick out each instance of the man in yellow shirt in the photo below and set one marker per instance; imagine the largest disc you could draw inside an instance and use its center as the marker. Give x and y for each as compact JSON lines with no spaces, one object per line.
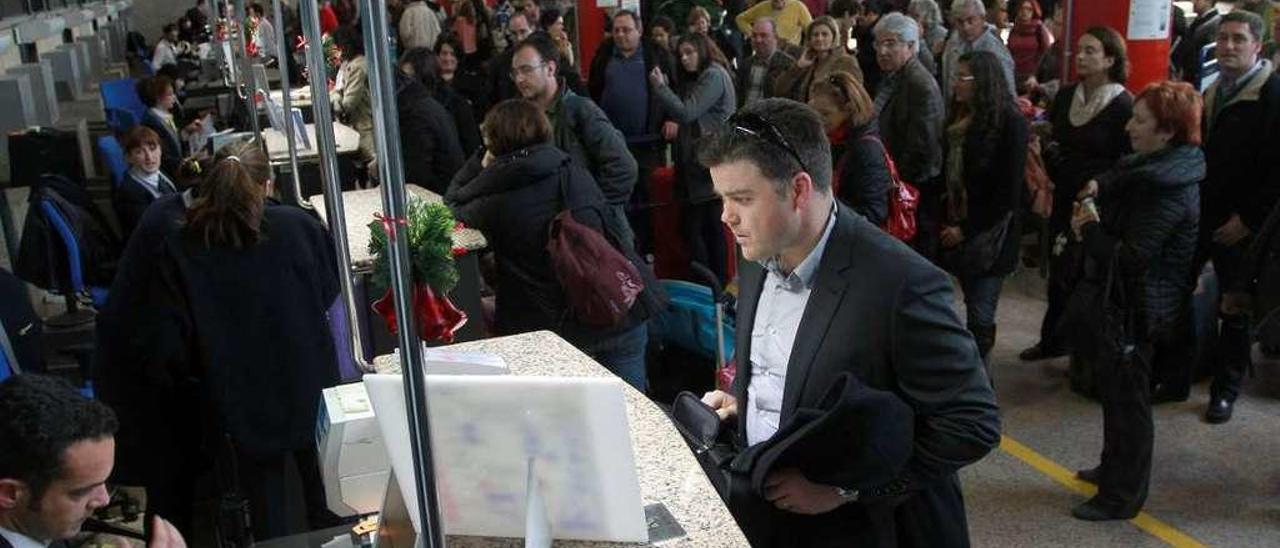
{"x":791,"y":16}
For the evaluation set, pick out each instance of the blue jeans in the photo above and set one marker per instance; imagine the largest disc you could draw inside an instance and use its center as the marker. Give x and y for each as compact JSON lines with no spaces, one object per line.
{"x":981,"y":295}
{"x":623,"y":354}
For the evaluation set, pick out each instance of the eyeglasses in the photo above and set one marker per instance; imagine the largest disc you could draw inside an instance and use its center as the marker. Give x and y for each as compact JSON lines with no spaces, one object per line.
{"x":966,"y":78}
{"x":838,"y":83}
{"x":753,"y":124}
{"x":525,"y":70}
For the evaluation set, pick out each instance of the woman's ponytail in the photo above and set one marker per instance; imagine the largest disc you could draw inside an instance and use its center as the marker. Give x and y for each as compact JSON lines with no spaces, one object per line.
{"x":228,"y":208}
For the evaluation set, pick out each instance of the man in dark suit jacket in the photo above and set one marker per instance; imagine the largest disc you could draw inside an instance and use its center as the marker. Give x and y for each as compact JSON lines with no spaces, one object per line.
{"x":57,"y":449}
{"x":767,"y":55}
{"x":839,"y":295}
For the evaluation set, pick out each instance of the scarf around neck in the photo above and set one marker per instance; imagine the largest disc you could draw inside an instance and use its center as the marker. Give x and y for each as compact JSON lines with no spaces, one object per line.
{"x":1083,"y":110}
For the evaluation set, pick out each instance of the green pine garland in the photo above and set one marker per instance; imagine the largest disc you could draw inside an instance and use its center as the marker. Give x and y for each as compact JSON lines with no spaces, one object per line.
{"x":430,"y":230}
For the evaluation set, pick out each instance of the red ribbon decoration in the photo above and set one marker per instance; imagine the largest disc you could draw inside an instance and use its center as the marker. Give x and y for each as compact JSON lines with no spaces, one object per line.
{"x":436,"y":316}
{"x":300,"y":43}
{"x":389,"y":223}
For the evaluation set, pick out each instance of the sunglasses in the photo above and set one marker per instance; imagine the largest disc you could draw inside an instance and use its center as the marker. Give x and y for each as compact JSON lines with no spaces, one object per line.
{"x":752,"y":124}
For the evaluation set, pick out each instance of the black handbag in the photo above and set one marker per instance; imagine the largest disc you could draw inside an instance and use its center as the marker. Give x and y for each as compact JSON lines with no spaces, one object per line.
{"x":1099,"y":328}
{"x":703,"y":431}
{"x":978,"y":253}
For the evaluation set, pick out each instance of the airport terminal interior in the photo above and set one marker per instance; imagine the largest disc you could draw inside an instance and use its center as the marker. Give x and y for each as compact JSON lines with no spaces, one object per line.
{"x":350,"y":273}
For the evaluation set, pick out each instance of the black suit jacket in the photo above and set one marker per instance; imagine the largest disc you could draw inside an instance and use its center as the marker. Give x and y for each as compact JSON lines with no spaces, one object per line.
{"x":882,"y":312}
{"x":130,"y":201}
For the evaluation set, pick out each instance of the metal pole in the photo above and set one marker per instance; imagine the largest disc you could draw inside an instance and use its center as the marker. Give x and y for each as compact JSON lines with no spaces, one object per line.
{"x":327,"y":148}
{"x":282,"y":65}
{"x":386,"y":132}
{"x":238,"y":42}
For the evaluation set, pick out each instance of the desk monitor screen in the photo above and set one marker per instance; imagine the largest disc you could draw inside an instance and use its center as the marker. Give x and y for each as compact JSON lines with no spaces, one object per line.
{"x":485,"y":429}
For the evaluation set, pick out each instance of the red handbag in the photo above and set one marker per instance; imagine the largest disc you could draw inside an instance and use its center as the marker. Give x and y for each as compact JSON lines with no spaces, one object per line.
{"x":903,"y":201}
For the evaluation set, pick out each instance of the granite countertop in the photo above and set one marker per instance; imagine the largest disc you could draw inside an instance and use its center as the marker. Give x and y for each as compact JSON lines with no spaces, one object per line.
{"x":359,"y":207}
{"x":347,"y":139}
{"x":667,"y":470}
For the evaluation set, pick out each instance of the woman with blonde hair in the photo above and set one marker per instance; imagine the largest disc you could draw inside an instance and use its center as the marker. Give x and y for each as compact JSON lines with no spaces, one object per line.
{"x":822,"y":56}
{"x":861,"y":175}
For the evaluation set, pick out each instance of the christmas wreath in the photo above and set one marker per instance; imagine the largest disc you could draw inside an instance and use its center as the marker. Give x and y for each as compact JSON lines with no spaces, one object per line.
{"x":428,"y":228}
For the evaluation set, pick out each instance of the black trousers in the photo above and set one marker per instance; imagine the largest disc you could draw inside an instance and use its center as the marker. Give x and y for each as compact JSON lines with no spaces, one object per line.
{"x":1232,"y":358}
{"x":1128,"y":433}
{"x":639,"y":209}
{"x":264,"y":483}
{"x":705,"y":233}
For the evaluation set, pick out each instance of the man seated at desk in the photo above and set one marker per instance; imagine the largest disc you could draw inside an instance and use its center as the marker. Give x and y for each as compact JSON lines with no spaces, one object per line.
{"x":57,"y":449}
{"x":838,"y":295}
{"x":144,"y":182}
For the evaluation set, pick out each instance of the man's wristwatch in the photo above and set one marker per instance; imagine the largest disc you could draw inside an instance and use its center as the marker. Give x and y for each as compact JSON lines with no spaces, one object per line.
{"x":847,"y":495}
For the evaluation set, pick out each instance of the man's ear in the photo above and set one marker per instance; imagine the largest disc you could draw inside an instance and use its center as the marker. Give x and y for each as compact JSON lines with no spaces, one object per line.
{"x":802,"y":189}
{"x":13,"y":493}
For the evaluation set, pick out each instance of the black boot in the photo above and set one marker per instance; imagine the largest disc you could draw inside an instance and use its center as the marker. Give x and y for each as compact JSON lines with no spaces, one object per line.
{"x":1233,"y":362}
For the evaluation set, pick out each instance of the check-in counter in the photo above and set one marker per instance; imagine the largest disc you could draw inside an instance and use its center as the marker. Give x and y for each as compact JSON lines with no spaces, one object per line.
{"x":667,"y":470}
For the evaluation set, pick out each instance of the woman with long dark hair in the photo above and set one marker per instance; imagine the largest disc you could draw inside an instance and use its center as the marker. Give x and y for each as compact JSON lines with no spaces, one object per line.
{"x":861,"y":176}
{"x":983,"y":172}
{"x":1088,"y":138}
{"x":1144,"y":225}
{"x":701,"y":103}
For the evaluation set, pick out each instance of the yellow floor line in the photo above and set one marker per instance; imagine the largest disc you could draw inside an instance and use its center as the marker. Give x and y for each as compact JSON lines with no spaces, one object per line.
{"x":1058,"y":473}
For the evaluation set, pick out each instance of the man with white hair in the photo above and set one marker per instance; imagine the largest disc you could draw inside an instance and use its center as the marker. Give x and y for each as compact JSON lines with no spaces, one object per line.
{"x":972,"y":33}
{"x":910,"y":110}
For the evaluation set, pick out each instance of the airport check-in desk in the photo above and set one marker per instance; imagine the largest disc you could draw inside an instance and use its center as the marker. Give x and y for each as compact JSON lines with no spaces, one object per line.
{"x":667,"y":470}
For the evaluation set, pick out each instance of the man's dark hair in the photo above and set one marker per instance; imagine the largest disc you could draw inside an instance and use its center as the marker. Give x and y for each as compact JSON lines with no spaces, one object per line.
{"x":542,"y":44}
{"x":426,"y":68}
{"x":800,"y":125}
{"x":663,"y":22}
{"x":879,"y":7}
{"x":257,"y":9}
{"x":169,"y":28}
{"x":548,"y":17}
{"x":350,"y":41}
{"x":40,"y":417}
{"x":844,"y":8}
{"x":626,"y":13}
{"x":1247,"y":17}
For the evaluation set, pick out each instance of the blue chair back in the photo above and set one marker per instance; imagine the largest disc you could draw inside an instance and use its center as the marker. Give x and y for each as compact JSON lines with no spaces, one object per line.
{"x":69,"y":242}
{"x":120,"y":101}
{"x":113,"y":155}
{"x":6,"y":368}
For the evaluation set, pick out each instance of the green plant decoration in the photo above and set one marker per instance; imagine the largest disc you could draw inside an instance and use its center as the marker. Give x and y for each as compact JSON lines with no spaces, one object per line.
{"x":430,"y":234}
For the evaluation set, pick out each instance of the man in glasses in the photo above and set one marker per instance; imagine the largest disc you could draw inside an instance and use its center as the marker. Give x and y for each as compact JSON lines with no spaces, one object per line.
{"x":837,"y":295}
{"x":909,"y":107}
{"x":972,"y":33}
{"x":57,"y":449}
{"x":581,"y":128}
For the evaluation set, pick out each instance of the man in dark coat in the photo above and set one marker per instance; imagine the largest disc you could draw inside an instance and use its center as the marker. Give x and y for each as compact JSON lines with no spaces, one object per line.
{"x":1242,"y":183}
{"x":1203,"y":30}
{"x":428,"y":137}
{"x":619,"y":83}
{"x":581,"y":128}
{"x":909,"y":106}
{"x":758,"y":72}
{"x":819,"y":309}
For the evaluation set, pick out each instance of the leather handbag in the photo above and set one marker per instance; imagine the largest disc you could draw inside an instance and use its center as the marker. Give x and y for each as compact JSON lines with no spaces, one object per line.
{"x":904,"y":199}
{"x":702,"y":430}
{"x":978,"y":253}
{"x":1039,"y":186}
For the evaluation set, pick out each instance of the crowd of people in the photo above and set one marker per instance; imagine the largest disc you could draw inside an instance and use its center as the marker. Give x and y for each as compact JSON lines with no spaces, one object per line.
{"x":791,"y":126}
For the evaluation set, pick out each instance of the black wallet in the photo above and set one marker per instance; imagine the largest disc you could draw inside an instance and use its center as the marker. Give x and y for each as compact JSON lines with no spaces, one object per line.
{"x":702,"y":430}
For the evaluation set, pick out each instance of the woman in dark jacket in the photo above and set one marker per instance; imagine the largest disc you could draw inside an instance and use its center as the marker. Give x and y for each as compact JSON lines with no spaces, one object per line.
{"x":703,"y":100}
{"x":1150,"y":212}
{"x":424,"y":67}
{"x":428,"y":139}
{"x":861,"y":173}
{"x":1088,"y":138}
{"x":983,"y":171}
{"x":511,"y":195}
{"x":234,"y":314}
